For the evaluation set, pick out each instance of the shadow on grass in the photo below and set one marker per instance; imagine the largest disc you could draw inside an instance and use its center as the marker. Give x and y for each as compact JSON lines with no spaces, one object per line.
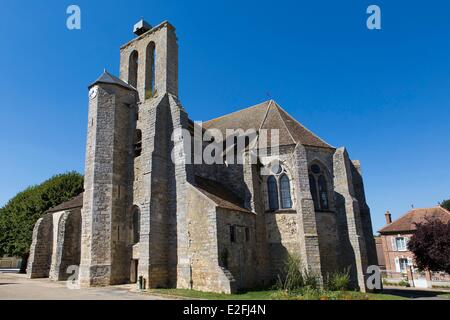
{"x":413,"y":294}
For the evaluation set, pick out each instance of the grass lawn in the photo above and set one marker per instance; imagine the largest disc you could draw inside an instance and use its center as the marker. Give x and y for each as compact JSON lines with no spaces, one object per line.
{"x":274,"y":295}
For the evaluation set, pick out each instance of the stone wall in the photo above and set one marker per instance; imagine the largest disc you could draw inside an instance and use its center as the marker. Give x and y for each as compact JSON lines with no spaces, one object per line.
{"x":41,"y":248}
{"x":282,"y":238}
{"x":238,"y":257}
{"x":217,"y":264}
{"x":328,"y":242}
{"x":203,"y":247}
{"x":67,"y":244}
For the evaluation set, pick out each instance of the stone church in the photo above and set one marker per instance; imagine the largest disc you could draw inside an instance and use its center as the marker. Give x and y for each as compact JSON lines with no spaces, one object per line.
{"x":210,"y":227}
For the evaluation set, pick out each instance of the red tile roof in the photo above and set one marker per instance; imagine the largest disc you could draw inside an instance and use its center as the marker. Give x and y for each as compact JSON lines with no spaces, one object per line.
{"x":408,"y":221}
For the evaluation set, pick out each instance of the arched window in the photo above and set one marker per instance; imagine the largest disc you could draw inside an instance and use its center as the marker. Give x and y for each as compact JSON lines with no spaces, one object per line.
{"x":285,"y":192}
{"x":150,"y":71}
{"x":319,"y":188}
{"x":136,"y":225}
{"x":272,"y":190}
{"x":138,"y":143}
{"x":133,"y":69}
{"x":323,"y":192}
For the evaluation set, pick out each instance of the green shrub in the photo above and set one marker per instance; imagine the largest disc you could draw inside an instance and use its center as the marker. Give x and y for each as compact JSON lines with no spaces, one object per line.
{"x":404,"y":283}
{"x":338,"y":281}
{"x":294,"y":277}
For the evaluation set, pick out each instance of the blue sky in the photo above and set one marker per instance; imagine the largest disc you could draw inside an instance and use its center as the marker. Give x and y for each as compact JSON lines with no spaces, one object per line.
{"x":385,"y":94}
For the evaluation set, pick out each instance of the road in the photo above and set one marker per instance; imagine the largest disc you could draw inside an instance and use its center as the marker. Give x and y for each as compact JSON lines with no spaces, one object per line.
{"x":15,"y":286}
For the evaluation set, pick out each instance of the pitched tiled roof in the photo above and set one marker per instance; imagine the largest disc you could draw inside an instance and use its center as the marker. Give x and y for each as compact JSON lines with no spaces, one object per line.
{"x":76,"y":202}
{"x":221,"y":195}
{"x":407,"y":222}
{"x":108,"y":78}
{"x":268,"y":115}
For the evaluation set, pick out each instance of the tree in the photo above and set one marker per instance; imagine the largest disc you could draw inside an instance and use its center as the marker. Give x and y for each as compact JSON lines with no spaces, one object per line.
{"x":19,"y":215}
{"x":431,"y":245}
{"x":445,"y":204}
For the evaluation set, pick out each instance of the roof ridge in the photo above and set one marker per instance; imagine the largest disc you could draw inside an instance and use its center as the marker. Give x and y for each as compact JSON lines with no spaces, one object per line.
{"x":315,"y":135}
{"x":442,"y":208}
{"x":265,"y":116}
{"x":109,"y":78}
{"x":411,"y":211}
{"x":240,"y":110}
{"x":402,"y":216}
{"x":277,"y":108}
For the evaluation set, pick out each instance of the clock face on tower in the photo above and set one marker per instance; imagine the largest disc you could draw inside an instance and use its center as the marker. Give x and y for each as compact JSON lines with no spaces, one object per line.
{"x":93,"y":93}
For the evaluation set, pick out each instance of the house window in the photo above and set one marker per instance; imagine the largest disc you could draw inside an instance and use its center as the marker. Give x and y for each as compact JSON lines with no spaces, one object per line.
{"x":319,"y":188}
{"x":272,"y":189}
{"x":233,"y":233}
{"x":403,"y":264}
{"x":400,"y":243}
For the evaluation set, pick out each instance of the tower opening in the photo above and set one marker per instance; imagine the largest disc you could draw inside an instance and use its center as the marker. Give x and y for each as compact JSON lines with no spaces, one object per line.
{"x":150,"y":71}
{"x":133,"y":69}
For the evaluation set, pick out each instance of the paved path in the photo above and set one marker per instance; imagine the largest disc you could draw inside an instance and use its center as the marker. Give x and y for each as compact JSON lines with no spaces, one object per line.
{"x":19,"y":287}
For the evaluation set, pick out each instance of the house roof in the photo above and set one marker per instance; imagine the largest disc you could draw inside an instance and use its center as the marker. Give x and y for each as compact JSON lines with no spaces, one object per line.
{"x":75,"y":202}
{"x":108,"y":78}
{"x":408,"y":221}
{"x":268,"y":115}
{"x":219,"y":194}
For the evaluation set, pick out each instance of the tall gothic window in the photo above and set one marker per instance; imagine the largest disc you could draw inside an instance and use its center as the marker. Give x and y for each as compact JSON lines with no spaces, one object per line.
{"x":136,"y":225}
{"x":150,"y":71}
{"x":272,"y":190}
{"x":133,"y":69}
{"x":319,"y":188}
{"x":285,"y":192}
{"x":279,"y":188}
{"x":323,"y":192}
{"x":313,"y":188}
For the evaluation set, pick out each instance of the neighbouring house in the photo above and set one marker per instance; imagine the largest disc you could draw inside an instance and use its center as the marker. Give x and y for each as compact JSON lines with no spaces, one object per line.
{"x":399,"y":261}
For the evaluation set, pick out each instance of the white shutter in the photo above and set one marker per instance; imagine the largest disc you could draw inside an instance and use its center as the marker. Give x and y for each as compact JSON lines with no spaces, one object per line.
{"x":397,"y":265}
{"x":394,"y":244}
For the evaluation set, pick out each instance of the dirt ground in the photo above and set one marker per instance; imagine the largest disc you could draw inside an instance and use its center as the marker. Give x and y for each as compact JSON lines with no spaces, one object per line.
{"x":15,"y":286}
